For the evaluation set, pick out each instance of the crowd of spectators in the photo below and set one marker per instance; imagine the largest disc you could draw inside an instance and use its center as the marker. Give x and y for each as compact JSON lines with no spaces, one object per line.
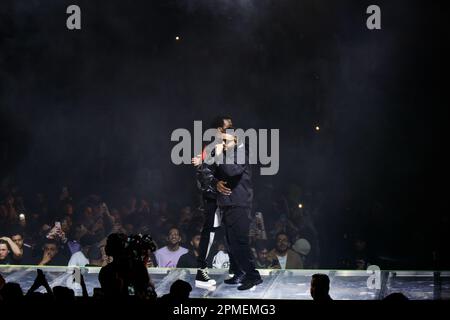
{"x":72,"y":232}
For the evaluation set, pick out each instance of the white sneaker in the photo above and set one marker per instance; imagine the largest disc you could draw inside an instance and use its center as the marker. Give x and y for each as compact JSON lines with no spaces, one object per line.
{"x":202,"y":279}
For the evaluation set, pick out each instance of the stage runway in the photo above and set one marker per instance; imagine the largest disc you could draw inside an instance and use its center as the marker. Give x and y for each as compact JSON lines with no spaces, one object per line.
{"x":278,"y":284}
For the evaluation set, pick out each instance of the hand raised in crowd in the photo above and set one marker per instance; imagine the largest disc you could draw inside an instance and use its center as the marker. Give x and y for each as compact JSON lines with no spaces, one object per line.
{"x":40,"y":280}
{"x":62,"y":236}
{"x":83,"y":286}
{"x":56,"y":233}
{"x":53,"y":234}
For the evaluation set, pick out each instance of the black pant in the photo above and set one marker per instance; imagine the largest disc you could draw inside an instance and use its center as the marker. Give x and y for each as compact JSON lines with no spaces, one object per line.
{"x":237,"y":223}
{"x":205,"y":237}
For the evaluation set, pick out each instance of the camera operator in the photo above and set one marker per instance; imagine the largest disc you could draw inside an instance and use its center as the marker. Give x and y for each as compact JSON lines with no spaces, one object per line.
{"x":127,"y":273}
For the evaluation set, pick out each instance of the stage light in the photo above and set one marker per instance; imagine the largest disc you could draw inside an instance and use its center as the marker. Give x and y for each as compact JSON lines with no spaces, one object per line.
{"x":317,"y":128}
{"x":177,"y":38}
{"x":300,"y":205}
{"x":21,"y":217}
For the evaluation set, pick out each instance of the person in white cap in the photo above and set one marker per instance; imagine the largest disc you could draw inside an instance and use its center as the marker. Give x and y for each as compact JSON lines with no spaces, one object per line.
{"x":302,"y":247}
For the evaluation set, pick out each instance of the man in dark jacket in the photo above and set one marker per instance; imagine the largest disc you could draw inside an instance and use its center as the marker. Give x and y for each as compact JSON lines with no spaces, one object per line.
{"x":206,"y":182}
{"x":235,"y":199}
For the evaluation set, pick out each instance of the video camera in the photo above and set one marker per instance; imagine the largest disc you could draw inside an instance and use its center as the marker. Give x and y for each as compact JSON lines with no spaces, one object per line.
{"x":140,"y":243}
{"x":132,"y":246}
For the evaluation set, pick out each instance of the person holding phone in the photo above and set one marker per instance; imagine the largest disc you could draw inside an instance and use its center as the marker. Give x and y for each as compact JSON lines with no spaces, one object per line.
{"x":55,"y":248}
{"x":56,"y":232}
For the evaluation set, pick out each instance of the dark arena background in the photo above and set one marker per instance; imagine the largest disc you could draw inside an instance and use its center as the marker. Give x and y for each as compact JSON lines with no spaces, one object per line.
{"x":87,"y":113}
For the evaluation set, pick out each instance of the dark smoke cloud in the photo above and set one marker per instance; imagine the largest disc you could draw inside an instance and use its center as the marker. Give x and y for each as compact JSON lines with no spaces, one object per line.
{"x":95,"y":108}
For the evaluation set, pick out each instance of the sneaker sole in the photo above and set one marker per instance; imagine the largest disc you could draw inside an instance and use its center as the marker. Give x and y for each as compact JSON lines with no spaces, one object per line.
{"x":233,"y":284}
{"x":210,"y":281}
{"x":249,"y":289}
{"x":252,"y":288}
{"x":203,"y":284}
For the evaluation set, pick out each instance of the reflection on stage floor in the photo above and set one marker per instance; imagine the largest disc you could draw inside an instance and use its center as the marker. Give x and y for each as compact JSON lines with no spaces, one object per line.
{"x":277,"y":284}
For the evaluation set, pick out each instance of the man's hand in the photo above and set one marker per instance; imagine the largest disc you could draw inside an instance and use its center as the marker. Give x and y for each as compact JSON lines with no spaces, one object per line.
{"x":7,"y":239}
{"x":197,"y":160}
{"x":46,"y":258}
{"x":14,"y":248}
{"x":53,"y":234}
{"x":40,"y":278}
{"x":83,"y":286}
{"x":62,"y":236}
{"x":222,"y":189}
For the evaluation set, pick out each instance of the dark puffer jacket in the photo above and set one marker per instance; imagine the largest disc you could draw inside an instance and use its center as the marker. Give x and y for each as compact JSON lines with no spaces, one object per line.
{"x":206,"y":181}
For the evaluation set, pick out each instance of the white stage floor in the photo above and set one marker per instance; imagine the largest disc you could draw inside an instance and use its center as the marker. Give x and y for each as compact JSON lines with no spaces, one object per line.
{"x":278,"y":284}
